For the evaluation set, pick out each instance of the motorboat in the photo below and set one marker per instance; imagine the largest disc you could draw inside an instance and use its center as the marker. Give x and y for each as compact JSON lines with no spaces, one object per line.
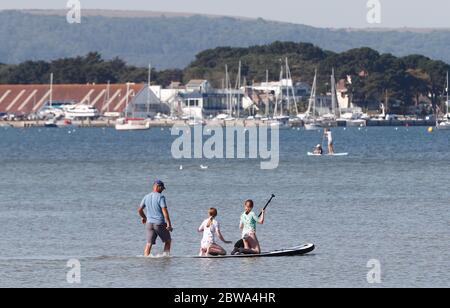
{"x":132,"y":124}
{"x":80,"y":111}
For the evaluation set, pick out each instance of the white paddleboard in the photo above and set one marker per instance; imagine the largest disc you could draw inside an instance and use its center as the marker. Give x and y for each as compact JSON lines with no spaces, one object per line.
{"x":335,"y":154}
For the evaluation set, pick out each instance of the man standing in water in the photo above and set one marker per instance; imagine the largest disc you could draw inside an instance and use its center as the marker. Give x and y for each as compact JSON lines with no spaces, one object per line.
{"x":157,"y":219}
{"x":327,"y":133}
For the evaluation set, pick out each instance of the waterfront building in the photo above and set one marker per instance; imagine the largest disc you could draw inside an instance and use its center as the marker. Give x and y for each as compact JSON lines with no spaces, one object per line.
{"x":26,"y":100}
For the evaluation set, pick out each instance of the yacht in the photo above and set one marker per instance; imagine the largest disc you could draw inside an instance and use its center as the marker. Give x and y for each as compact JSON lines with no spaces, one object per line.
{"x":444,"y":125}
{"x":313,"y":126}
{"x":196,"y":122}
{"x":80,"y":111}
{"x":52,"y":123}
{"x":132,"y":124}
{"x":353,"y":118}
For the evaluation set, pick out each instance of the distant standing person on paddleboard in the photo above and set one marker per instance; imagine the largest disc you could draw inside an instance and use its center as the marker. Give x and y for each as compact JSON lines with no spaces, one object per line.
{"x":249,"y":220}
{"x":156,"y":219}
{"x":211,"y":228}
{"x":329,"y":136}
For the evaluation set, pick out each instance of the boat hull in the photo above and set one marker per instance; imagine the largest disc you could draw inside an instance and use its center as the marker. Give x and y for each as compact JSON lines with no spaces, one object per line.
{"x":131,"y":127}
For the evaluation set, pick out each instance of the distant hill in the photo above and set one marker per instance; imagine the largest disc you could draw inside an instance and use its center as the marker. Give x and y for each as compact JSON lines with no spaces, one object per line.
{"x":173,"y":40}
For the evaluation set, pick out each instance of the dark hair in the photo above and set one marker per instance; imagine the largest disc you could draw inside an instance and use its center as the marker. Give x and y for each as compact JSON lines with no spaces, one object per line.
{"x":250,"y":202}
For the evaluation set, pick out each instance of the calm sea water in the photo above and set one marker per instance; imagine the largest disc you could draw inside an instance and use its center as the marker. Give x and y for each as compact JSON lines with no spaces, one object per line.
{"x":69,"y":193}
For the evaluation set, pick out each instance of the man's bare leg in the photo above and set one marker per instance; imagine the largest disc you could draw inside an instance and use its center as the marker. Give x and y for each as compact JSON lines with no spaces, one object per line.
{"x":147,"y":250}
{"x":167,"y":247}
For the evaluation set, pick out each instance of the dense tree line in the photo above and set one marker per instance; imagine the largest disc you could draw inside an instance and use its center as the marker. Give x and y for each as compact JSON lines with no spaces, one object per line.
{"x":91,"y":68}
{"x":373,"y":75}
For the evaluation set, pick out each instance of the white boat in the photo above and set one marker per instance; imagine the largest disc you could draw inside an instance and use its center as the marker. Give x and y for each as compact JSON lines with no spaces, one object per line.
{"x":353,"y":118}
{"x":111,"y":115}
{"x":131,"y":124}
{"x":446,"y":124}
{"x":330,"y":119}
{"x":310,"y":118}
{"x":80,"y":111}
{"x":276,"y":123}
{"x":51,"y":123}
{"x":195,"y":123}
{"x":356,"y":123}
{"x":313,"y":126}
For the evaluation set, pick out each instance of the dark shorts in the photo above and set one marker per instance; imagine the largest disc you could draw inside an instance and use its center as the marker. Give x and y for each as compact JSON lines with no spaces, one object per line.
{"x":154,"y":231}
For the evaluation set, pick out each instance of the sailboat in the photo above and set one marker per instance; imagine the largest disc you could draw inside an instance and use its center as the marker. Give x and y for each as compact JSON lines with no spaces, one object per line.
{"x":285,"y":84}
{"x":51,"y":122}
{"x":331,"y":117}
{"x":130,"y":124}
{"x":445,"y":125}
{"x":309,"y":118}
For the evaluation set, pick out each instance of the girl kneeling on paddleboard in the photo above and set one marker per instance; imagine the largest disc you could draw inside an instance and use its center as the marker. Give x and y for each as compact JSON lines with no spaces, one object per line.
{"x":248,"y":227}
{"x":210,"y":228}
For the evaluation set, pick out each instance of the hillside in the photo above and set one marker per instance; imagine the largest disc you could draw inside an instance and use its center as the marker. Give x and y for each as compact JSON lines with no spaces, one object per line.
{"x":173,"y":40}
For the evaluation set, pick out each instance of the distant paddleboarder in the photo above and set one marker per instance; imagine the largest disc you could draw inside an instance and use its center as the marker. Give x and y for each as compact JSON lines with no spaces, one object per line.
{"x":155,"y":216}
{"x":327,"y":133}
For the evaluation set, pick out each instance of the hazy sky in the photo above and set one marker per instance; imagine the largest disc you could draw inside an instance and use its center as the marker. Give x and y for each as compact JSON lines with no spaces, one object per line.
{"x":321,"y":13}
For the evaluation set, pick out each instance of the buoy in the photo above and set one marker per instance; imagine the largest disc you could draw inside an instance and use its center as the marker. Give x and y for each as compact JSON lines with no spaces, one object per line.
{"x":430,"y":129}
{"x":181,"y":167}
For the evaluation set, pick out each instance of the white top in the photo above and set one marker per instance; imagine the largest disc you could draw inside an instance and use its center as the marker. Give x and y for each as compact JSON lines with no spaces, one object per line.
{"x":209,"y":233}
{"x":329,"y":136}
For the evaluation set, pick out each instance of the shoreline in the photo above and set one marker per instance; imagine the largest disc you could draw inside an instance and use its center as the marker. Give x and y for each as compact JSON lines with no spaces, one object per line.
{"x":239,"y":122}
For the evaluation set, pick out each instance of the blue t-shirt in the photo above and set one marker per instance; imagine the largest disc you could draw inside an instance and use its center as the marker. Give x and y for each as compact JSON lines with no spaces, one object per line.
{"x":154,"y":203}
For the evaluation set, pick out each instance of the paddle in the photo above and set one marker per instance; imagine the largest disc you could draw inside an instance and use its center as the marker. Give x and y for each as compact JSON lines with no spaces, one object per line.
{"x":267,"y":204}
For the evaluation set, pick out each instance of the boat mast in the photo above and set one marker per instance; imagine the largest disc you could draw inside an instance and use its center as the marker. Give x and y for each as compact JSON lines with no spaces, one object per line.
{"x":107,"y":95}
{"x":334,"y":106}
{"x":287,"y":89}
{"x":267,"y":94}
{"x":288,"y":69}
{"x":51,"y":89}
{"x":448,"y":101}
{"x":238,"y":88}
{"x":280,"y":97}
{"x":227,"y":91}
{"x":386,"y":107}
{"x":127,"y":101}
{"x":149,"y":85}
{"x":312,"y":99}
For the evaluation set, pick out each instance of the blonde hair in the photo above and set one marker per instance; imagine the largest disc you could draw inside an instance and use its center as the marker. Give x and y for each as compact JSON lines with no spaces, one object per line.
{"x":212,"y":214}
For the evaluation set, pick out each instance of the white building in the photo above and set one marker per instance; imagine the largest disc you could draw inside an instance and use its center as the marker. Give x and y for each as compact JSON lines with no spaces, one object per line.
{"x":300,"y":89}
{"x":146,"y":104}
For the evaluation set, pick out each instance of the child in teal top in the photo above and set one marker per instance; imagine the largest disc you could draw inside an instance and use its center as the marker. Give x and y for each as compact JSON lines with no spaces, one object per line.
{"x":248,"y":227}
